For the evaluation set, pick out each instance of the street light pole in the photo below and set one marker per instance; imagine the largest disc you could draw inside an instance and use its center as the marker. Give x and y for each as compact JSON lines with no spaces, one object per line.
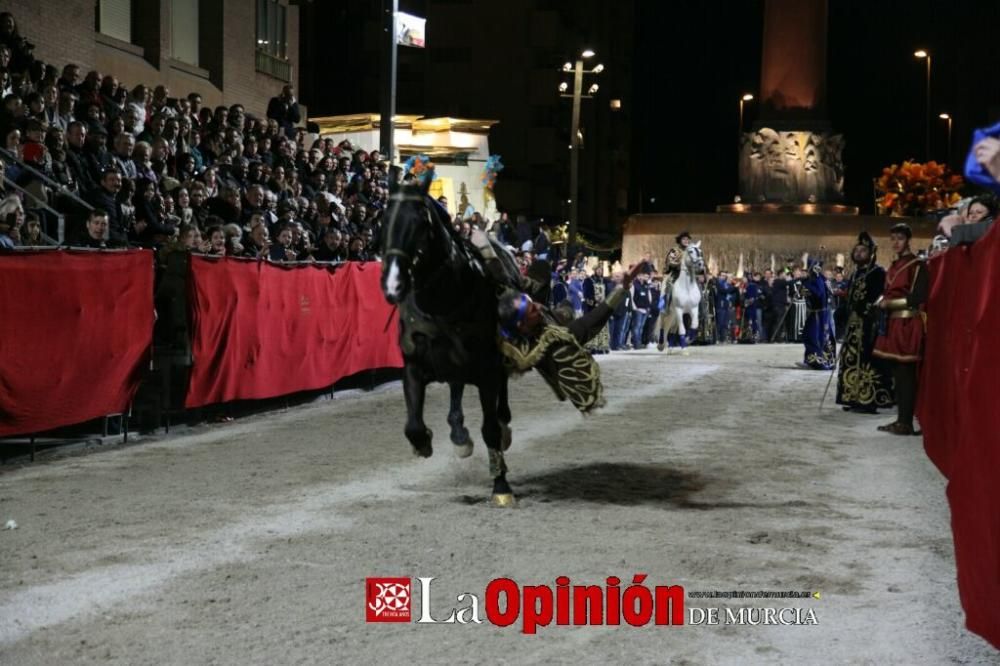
{"x":574,"y":157}
{"x":947,"y":117}
{"x":745,"y":98}
{"x":388,"y":110}
{"x":927,"y":137}
{"x":924,"y":53}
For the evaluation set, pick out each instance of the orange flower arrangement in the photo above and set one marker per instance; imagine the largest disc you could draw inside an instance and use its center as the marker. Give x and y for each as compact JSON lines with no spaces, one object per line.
{"x":913,"y":189}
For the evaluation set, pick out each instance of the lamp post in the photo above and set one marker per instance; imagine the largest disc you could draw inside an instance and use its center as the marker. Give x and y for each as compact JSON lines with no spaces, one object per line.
{"x":924,"y":53}
{"x":388,"y":111}
{"x":574,"y":147}
{"x":745,"y":98}
{"x":947,"y":117}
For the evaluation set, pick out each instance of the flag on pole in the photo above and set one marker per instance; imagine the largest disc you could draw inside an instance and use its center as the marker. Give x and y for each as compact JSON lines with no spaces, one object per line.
{"x":410,"y":30}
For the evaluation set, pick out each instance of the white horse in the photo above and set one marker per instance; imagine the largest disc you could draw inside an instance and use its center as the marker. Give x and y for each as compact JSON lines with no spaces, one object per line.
{"x":685,"y":296}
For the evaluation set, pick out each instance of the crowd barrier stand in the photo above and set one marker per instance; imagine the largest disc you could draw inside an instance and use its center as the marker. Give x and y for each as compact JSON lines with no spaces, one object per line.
{"x":260,"y":330}
{"x":958,"y":410}
{"x":78,"y":333}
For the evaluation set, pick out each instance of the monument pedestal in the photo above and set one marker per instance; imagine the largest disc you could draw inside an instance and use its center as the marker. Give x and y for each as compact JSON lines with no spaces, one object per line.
{"x":791,"y":167}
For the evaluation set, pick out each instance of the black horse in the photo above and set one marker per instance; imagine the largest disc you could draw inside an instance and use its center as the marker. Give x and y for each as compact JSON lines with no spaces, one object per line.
{"x":447,"y":325}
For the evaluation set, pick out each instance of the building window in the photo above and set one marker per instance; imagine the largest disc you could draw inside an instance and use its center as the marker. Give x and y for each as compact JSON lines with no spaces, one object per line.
{"x":184,"y":31}
{"x":114,"y":19}
{"x":271,"y":36}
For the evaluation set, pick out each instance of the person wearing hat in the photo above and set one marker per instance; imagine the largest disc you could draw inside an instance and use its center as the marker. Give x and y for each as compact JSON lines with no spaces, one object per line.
{"x":676,"y":255}
{"x":864,"y":384}
{"x":535,"y":336}
{"x":901,"y":328}
{"x":817,"y":334}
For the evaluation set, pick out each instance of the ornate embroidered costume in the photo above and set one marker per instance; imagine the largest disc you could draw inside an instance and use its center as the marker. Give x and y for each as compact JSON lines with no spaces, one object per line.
{"x":862,"y":382}
{"x":594,"y":289}
{"x":559,"y":356}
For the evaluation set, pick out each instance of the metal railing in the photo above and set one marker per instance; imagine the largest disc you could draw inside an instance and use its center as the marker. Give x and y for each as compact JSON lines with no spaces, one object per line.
{"x":271,"y":65}
{"x":56,"y":187}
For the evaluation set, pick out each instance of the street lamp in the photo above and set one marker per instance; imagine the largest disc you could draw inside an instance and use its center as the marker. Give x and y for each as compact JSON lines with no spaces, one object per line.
{"x":574,"y":137}
{"x":947,"y":117}
{"x":746,"y":98}
{"x":922,"y":54}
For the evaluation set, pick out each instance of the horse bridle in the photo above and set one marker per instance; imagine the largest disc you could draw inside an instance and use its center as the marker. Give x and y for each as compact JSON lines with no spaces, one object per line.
{"x":397,"y":199}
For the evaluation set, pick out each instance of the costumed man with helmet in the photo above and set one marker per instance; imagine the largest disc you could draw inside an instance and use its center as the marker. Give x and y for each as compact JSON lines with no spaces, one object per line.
{"x":901,"y":328}
{"x":818,"y":335}
{"x":864,"y":384}
{"x":550,"y":340}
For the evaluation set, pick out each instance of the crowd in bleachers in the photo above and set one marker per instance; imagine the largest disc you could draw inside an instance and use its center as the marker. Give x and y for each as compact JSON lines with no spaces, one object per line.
{"x":130,"y":165}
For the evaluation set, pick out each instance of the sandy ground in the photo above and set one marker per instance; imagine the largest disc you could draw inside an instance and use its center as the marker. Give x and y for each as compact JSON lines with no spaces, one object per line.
{"x":250,"y":542}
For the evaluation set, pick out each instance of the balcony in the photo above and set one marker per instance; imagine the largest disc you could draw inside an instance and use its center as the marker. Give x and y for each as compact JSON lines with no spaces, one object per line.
{"x":271,"y":65}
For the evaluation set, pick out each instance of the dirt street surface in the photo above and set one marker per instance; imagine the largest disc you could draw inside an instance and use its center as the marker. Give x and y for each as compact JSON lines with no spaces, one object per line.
{"x":250,"y":542}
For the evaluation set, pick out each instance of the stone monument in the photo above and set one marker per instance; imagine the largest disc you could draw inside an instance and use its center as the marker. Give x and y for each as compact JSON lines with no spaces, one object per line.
{"x":790,"y":161}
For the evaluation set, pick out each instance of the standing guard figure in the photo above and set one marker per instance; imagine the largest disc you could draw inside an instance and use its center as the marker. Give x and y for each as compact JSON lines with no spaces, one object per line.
{"x":864,"y":384}
{"x":901,"y":329}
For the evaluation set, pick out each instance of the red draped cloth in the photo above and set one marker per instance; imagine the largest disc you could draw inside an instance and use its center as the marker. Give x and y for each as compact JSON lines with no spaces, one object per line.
{"x":959,"y":411}
{"x":76,"y":329}
{"x":261,"y":330}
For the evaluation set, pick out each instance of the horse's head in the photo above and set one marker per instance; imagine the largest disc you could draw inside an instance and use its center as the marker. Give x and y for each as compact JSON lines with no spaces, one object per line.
{"x":694,"y":258}
{"x":404,"y":234}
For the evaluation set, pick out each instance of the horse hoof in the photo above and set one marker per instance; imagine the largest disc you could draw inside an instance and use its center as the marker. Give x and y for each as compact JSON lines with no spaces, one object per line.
{"x":463,"y":450}
{"x":503,"y":500}
{"x":423,"y":451}
{"x":660,"y":347}
{"x":506,"y":437}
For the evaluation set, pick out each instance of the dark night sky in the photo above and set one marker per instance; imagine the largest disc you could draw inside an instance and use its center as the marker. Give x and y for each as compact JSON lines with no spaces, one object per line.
{"x":693,"y":60}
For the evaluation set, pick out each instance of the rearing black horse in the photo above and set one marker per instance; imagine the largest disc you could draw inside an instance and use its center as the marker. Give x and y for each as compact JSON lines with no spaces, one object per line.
{"x":447,"y":325}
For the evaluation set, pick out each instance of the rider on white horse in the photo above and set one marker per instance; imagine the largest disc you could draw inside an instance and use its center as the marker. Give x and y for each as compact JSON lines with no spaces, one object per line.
{"x":684,"y":262}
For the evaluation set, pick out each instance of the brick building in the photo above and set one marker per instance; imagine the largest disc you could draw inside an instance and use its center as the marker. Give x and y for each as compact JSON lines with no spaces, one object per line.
{"x":227,"y":50}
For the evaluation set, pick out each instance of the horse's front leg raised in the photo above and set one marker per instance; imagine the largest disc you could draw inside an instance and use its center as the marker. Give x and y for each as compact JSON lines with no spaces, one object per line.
{"x":502,"y":494}
{"x":456,"y":419}
{"x":414,"y":389}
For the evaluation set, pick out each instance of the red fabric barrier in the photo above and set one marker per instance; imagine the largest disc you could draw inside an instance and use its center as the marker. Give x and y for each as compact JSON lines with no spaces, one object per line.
{"x":76,"y":329}
{"x":959,"y":412}
{"x":262,"y":330}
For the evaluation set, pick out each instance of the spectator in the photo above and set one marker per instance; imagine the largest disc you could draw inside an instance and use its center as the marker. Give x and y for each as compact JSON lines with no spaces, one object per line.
{"x":150,"y":228}
{"x":124,"y":146}
{"x":216,"y":240}
{"x":69,"y":79}
{"x":64,"y":111}
{"x":330,"y":248}
{"x":284,"y":110}
{"x":105,"y":198}
{"x":158,"y":106}
{"x":282,"y":249}
{"x":90,"y":93}
{"x":76,"y":160}
{"x":33,"y":235}
{"x":21,"y":56}
{"x":95,"y":232}
{"x":258,"y":243}
{"x":95,"y":150}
